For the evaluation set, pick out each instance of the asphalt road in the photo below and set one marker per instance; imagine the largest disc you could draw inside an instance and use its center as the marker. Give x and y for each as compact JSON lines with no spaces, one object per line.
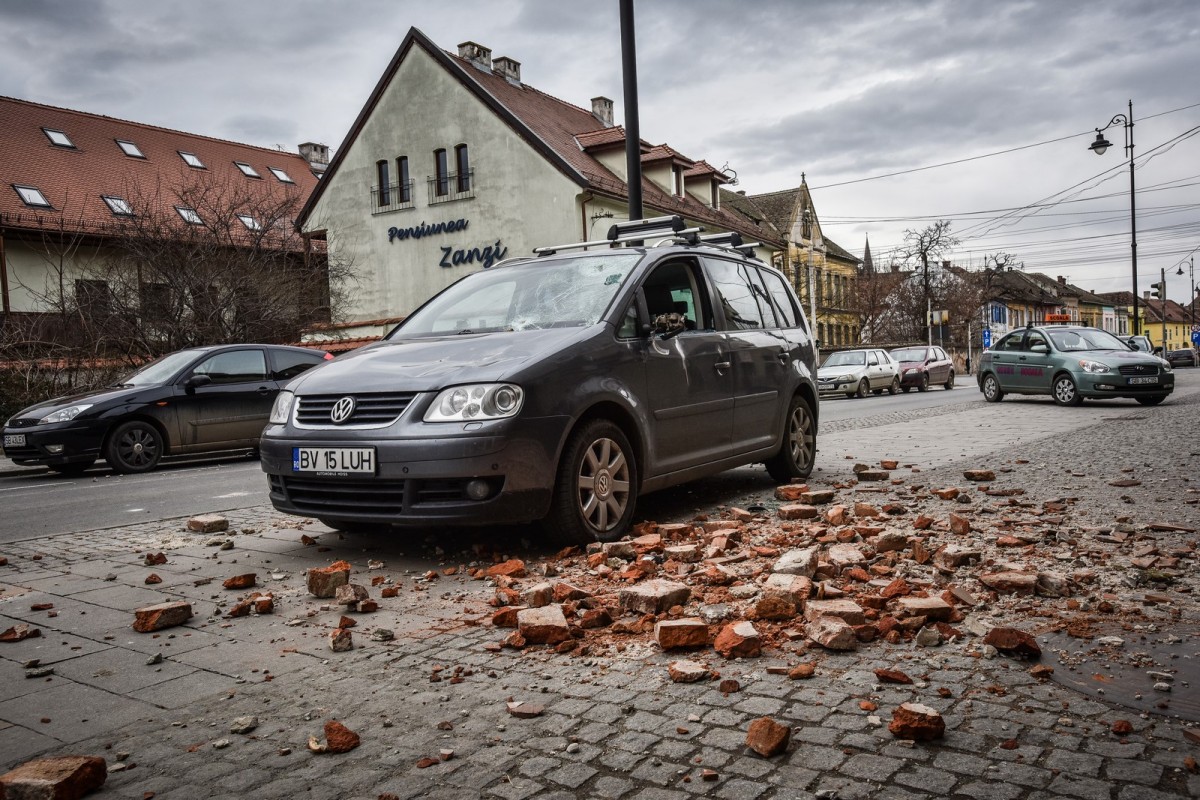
{"x":35,"y":502}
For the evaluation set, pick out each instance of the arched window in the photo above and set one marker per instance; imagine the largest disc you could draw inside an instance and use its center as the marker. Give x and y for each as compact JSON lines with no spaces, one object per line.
{"x":403,"y":185}
{"x":385,"y":193}
{"x":463,"y":164}
{"x":442,"y":172}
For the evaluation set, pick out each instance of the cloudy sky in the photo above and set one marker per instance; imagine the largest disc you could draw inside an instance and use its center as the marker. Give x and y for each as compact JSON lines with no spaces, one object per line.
{"x":844,"y":91}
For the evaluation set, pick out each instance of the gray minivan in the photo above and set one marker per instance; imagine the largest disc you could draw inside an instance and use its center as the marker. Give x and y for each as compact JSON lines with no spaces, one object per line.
{"x":557,"y":388}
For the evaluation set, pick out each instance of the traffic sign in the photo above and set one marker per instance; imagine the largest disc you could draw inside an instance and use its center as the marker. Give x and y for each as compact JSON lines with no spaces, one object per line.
{"x":1196,"y":338}
{"x":987,"y":337}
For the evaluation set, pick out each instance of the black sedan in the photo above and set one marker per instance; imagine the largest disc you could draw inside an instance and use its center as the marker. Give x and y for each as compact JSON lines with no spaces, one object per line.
{"x":198,"y":400}
{"x":1183,"y":357}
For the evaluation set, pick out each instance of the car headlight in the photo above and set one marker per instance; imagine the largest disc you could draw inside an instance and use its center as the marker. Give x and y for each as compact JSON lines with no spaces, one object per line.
{"x":1093,"y":366}
{"x":1166,"y":365}
{"x":64,"y":414}
{"x":282,"y":408}
{"x":476,"y":401}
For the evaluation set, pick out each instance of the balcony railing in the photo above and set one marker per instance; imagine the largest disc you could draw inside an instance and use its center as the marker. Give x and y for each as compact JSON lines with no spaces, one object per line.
{"x":393,"y":197}
{"x":454,"y":186}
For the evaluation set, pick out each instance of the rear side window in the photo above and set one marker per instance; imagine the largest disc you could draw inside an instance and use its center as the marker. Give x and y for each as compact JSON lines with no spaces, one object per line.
{"x":743,"y":305}
{"x":781,"y":299}
{"x":237,"y":366}
{"x":289,"y":364}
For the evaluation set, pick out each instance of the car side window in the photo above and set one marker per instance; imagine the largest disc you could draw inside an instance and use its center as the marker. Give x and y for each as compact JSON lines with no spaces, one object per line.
{"x":1036,"y":341}
{"x":235,"y":366}
{"x":940,"y":355}
{"x":1010,"y":342}
{"x":289,"y":364}
{"x":742,"y":304}
{"x":781,"y":298}
{"x":670,"y":288}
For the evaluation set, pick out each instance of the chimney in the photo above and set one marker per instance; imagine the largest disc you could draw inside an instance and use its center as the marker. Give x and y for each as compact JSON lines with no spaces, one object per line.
{"x":1062,"y":280}
{"x":508,"y":69}
{"x":602,"y":109}
{"x":945,"y":265}
{"x":317,"y":155}
{"x":477,"y":54}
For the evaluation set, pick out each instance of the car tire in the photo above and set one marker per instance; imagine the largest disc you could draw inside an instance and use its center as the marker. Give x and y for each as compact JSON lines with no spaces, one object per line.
{"x":133,"y":447}
{"x":1065,"y":392}
{"x":991,"y":389}
{"x":596,"y":488}
{"x":949,"y":384}
{"x":923,"y":386}
{"x":73,"y":468}
{"x":1151,"y":400}
{"x":895,"y":387}
{"x":864,"y":388}
{"x":798,"y":452}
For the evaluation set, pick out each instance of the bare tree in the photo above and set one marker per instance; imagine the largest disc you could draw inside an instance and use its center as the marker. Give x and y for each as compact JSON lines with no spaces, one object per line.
{"x":922,"y":246}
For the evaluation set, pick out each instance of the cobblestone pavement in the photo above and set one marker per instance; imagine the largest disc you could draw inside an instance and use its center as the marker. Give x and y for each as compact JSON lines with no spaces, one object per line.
{"x":614,"y":725}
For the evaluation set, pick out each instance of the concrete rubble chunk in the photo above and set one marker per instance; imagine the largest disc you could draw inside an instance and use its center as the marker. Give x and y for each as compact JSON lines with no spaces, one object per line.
{"x":1010,"y":582}
{"x":350,"y":594}
{"x":767,"y":737}
{"x":889,"y":541}
{"x":738,"y":640}
{"x":538,"y":595}
{"x":832,"y":633}
{"x":544,"y":625}
{"x":844,"y":555}
{"x":846,"y":610}
{"x":797,"y":511}
{"x":324,"y":581}
{"x":684,"y":553}
{"x":1012,"y":640}
{"x":654,"y":596}
{"x":1054,"y":584}
{"x":796,"y":588}
{"x":208,"y":523}
{"x":163,"y":615}
{"x":243,"y":725}
{"x":917,"y":722}
{"x":688,"y":671}
{"x":953,"y":556}
{"x":622,"y":550}
{"x":54,"y":778}
{"x":673,"y":634}
{"x":935,"y":608}
{"x":802,"y":561}
{"x":241,"y":581}
{"x":341,"y":640}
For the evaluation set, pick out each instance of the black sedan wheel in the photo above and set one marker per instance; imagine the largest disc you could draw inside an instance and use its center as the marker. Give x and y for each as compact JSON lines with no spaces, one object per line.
{"x":133,"y":447}
{"x":799,"y":450}
{"x":1065,"y":391}
{"x":596,"y":490}
{"x":991,"y":389}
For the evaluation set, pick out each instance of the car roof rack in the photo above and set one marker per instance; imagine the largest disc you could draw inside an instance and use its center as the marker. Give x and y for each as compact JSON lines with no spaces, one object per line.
{"x":671,"y":229}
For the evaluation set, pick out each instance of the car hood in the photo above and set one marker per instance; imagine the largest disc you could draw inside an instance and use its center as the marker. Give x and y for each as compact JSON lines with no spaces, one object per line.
{"x":837,"y":372}
{"x":431,"y":363}
{"x":1120,"y":357}
{"x":95,"y":397}
{"x":909,"y":364}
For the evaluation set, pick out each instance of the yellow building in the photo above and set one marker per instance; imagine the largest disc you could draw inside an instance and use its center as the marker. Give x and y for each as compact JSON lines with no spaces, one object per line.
{"x":824,"y":275}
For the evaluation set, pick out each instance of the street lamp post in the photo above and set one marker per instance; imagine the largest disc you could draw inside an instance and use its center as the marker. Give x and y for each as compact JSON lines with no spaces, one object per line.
{"x":1099,"y":146}
{"x":1191,"y":289}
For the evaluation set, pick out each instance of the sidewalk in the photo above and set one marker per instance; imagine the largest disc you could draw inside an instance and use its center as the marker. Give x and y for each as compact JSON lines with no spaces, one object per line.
{"x":614,"y":724}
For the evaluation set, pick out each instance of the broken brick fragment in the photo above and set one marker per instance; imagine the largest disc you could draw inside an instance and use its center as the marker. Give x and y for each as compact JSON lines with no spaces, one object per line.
{"x":208,"y":523}
{"x":155,"y":559}
{"x":687,"y":671}
{"x":1122,"y":727}
{"x":513,"y":568}
{"x":522,"y":710}
{"x":339,"y":738}
{"x":545,"y":625}
{"x":917,"y":722}
{"x":163,"y":615}
{"x":802,"y":671}
{"x":738,"y":640}
{"x":892,"y":676}
{"x":54,"y":778}
{"x":324,"y":581}
{"x":19,"y":633}
{"x":349,"y":594}
{"x":340,"y":640}
{"x":979,"y":475}
{"x":673,"y":634}
{"x":795,"y":511}
{"x":506,"y":616}
{"x":152,"y":579}
{"x":1012,"y":640}
{"x":767,"y":737}
{"x":390,"y":591}
{"x":595,"y":618}
{"x":241,"y":581}
{"x":654,"y":596}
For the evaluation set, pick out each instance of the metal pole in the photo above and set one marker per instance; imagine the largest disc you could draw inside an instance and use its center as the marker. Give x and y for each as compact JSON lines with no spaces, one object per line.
{"x":812,"y":294}
{"x":633,"y":138}
{"x":1162,"y":307}
{"x":1132,"y":216}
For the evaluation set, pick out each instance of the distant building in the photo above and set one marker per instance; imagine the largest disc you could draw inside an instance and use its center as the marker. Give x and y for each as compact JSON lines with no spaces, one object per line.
{"x":456,"y":163}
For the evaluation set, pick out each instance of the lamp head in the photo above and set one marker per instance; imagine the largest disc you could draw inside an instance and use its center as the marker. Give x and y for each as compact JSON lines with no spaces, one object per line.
{"x":1100,"y":145}
{"x":1179,"y":271}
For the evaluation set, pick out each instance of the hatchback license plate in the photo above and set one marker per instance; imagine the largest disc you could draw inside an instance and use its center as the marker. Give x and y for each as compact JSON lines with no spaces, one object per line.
{"x":1144,"y":379}
{"x":14,"y":440}
{"x":334,"y":460}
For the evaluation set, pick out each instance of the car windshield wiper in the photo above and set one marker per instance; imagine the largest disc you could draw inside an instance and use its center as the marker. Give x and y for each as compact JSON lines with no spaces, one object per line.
{"x":120,"y":385}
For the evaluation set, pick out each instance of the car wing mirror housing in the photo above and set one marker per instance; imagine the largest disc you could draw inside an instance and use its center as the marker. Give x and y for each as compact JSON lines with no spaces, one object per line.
{"x":196,"y":381}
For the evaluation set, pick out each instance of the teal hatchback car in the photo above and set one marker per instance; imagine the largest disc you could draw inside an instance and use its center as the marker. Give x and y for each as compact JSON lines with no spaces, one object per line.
{"x":1070,"y":363}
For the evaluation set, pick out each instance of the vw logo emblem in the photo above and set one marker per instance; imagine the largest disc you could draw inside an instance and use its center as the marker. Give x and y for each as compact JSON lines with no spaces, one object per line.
{"x":342,"y":410}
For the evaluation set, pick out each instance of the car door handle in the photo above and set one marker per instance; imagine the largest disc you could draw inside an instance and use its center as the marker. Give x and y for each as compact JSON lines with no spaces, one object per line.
{"x":783,"y":356}
{"x":723,"y":364}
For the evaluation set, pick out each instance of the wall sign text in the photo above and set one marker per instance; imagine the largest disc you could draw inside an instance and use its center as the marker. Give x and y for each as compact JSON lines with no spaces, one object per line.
{"x":487,"y":256}
{"x":423,"y":230}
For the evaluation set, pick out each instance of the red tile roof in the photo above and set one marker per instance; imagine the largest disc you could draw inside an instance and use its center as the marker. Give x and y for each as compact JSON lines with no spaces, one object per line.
{"x":74,"y":180}
{"x":664,"y":152}
{"x":553,"y":127}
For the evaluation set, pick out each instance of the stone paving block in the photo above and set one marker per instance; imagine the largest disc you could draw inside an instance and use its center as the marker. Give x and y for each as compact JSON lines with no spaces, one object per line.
{"x":120,"y":671}
{"x":75,"y":711}
{"x":572,"y":775}
{"x":52,"y":647}
{"x":184,"y":691}
{"x":612,"y":788}
{"x":19,"y":744}
{"x":870,"y":766}
{"x":123,"y":598}
{"x":1126,"y":770}
{"x":1074,"y":763}
{"x":740,"y":789}
{"x":1076,"y":786}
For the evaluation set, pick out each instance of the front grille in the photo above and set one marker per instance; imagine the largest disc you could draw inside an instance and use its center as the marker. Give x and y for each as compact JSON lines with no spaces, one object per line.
{"x":26,"y":451}
{"x":331,"y":497}
{"x":1139,"y":369}
{"x":370,"y":409}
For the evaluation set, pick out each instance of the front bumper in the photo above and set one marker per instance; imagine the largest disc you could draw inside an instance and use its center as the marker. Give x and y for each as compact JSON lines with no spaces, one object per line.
{"x":1095,"y":385}
{"x":422,"y":479}
{"x":58,"y":443}
{"x":838,"y":386}
{"x":912,"y":377}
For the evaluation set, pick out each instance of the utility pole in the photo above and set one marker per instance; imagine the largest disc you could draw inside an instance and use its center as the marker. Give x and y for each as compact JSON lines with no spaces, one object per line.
{"x":1162,"y":307}
{"x":633,"y":152}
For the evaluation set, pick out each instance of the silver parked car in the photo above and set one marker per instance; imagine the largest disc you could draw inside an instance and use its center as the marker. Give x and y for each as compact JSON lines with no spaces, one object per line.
{"x":856,"y":373}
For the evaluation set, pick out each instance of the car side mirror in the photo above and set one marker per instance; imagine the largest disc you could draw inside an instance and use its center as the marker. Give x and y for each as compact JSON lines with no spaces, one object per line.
{"x":196,"y":381}
{"x":1039,"y":347}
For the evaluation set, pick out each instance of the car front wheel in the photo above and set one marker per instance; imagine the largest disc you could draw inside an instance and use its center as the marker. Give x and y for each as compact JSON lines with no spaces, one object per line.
{"x":991,"y":389}
{"x":864,"y":388}
{"x":1151,"y":400}
{"x":134,"y":447}
{"x":799,"y":449}
{"x":895,"y":387}
{"x":1065,"y":391}
{"x":923,"y":386}
{"x":596,"y":488}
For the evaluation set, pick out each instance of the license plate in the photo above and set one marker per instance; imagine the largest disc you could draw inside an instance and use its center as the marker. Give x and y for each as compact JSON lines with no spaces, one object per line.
{"x":334,"y":460}
{"x":14,"y":440}
{"x":1144,"y":379}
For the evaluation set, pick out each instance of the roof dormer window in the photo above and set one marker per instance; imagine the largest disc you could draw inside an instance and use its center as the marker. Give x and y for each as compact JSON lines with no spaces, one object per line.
{"x":119,"y":206}
{"x":32,"y":196}
{"x":58,"y":138}
{"x":189,"y":215}
{"x":281,"y":175}
{"x":130,"y":149}
{"x":247,"y":170}
{"x":250,"y":222}
{"x":192,"y":160}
